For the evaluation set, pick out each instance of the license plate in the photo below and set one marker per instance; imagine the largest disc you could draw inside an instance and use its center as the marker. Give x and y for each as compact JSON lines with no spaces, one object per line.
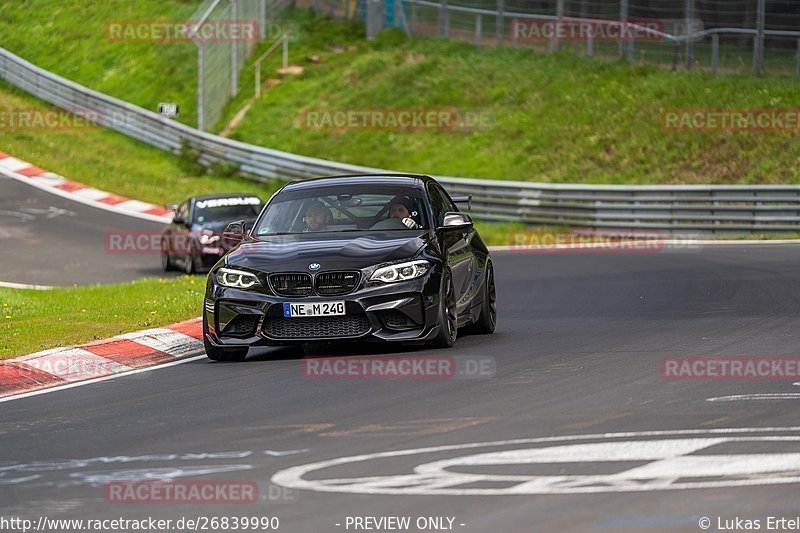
{"x":313,"y":309}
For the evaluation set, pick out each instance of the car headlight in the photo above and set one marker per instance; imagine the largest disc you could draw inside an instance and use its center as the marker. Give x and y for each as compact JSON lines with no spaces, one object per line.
{"x":400,"y":271}
{"x":238,"y":279}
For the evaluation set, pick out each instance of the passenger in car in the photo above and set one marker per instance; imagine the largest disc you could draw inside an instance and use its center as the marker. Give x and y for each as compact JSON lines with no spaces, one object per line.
{"x":317,"y":217}
{"x":402,"y":209}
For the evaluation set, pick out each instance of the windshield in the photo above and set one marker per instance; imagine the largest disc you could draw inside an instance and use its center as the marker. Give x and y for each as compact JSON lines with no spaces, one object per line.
{"x":344,"y":208}
{"x":224,"y":210}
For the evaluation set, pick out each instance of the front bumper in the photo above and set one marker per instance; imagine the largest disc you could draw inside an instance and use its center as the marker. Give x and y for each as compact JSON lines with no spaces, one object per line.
{"x":400,"y":312}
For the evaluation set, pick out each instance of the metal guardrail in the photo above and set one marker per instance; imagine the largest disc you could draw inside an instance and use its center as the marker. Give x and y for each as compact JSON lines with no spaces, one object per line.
{"x":679,"y":209}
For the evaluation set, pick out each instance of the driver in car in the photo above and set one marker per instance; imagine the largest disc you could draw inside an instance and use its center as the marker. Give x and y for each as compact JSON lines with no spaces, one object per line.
{"x":317,"y":217}
{"x":402,"y":209}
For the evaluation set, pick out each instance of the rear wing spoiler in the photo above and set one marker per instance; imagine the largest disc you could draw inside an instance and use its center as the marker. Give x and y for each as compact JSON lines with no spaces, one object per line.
{"x":464,"y":199}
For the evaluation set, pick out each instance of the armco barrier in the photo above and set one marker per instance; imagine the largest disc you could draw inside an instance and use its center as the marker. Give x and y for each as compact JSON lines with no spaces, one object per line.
{"x":675,"y":209}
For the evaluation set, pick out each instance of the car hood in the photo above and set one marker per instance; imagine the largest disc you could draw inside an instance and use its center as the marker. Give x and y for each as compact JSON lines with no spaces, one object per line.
{"x":333,"y":251}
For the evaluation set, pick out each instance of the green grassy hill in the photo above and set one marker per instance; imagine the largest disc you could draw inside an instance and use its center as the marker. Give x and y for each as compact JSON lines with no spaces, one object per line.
{"x":71,"y":40}
{"x":551,"y":117}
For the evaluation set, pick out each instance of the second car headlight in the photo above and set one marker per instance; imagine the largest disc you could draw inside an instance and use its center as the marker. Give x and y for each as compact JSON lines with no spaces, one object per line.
{"x":238,"y":279}
{"x":400,"y":271}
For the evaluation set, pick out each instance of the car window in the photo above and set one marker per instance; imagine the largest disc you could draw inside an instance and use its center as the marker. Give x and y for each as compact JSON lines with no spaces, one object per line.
{"x":343,"y":208}
{"x":440,"y":203}
{"x":224,"y":210}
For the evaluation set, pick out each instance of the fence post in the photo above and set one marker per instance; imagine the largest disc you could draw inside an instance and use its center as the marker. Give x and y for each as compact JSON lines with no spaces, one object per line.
{"x":413,"y":17}
{"x":262,"y":19}
{"x":624,"y":47}
{"x":372,"y":5}
{"x":201,"y":86}
{"x":286,"y":51}
{"x":258,"y":81}
{"x":368,"y":18}
{"x":589,"y":45}
{"x":555,"y":43}
{"x":443,"y":22}
{"x":689,"y":42}
{"x":500,"y":23}
{"x":714,"y":52}
{"x":676,"y":56}
{"x":759,"y":44}
{"x":478,"y":28}
{"x":234,"y":53}
{"x":798,"y":57}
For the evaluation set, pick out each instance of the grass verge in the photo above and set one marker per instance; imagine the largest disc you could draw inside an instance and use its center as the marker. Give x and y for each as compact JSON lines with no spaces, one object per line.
{"x":32,"y":321}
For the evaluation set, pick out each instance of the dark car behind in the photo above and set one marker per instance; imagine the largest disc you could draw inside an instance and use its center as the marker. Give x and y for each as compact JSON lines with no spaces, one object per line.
{"x":193,"y":241}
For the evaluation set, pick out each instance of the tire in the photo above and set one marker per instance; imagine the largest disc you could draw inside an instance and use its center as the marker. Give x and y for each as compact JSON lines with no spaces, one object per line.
{"x":488,"y":318}
{"x":446,"y":337}
{"x":166,"y":262}
{"x":219,"y":354}
{"x":191,"y":263}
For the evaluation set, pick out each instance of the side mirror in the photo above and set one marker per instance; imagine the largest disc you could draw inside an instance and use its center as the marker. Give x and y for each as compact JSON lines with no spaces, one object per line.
{"x":234,"y":233}
{"x":456,"y":220}
{"x":179,"y":220}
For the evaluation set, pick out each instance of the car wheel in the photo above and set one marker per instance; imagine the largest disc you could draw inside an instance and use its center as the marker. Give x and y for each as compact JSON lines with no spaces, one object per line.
{"x":447,"y":315}
{"x":488,"y":318}
{"x":191,"y":262}
{"x":224,"y":354}
{"x":166,"y":262}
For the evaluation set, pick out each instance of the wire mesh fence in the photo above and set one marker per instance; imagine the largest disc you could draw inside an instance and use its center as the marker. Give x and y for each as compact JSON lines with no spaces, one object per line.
{"x":226,"y":33}
{"x":349,"y":9}
{"x":718,"y":35}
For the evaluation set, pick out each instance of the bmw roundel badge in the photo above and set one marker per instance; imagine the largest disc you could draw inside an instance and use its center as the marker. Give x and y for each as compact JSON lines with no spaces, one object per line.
{"x":314,"y":266}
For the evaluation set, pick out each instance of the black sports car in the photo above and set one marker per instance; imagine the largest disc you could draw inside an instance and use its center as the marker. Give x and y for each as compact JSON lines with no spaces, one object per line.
{"x":193,"y":240}
{"x":372,"y":257}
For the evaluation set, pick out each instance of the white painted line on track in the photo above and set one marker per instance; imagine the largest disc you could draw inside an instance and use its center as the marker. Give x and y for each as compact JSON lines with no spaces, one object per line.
{"x":9,"y":285}
{"x":674,"y":468}
{"x":274,"y":453}
{"x":98,"y":380}
{"x":757,"y":397}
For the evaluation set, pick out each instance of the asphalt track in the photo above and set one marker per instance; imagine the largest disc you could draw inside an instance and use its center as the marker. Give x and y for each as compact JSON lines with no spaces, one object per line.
{"x":576,"y":354}
{"x":51,"y":240}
